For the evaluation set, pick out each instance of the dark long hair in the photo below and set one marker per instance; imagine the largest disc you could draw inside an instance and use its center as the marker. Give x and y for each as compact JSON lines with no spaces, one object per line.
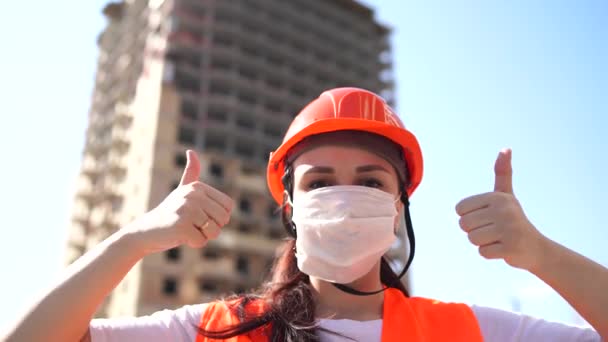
{"x":288,"y":296}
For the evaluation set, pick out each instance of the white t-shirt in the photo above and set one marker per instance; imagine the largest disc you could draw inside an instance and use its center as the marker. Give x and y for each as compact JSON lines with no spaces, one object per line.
{"x":181,"y":325}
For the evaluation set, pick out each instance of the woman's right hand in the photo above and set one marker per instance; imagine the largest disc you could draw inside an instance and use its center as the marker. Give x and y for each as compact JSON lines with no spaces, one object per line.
{"x":191,"y":214}
{"x":71,"y":302}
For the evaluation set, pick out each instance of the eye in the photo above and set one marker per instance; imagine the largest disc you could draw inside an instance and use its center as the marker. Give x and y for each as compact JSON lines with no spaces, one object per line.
{"x":317,"y":184}
{"x":371,"y":182}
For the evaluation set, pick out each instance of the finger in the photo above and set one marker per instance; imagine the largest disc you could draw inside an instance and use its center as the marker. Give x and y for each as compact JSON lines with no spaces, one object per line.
{"x":485,"y":235}
{"x":492,"y":251}
{"x":201,"y":229}
{"x":192,"y":171}
{"x":200,"y":218}
{"x":196,"y":236}
{"x":193,"y":215}
{"x":212,"y":208}
{"x":216,"y":212}
{"x":196,"y":239}
{"x":475,"y":219}
{"x":212,"y":230}
{"x":220,"y":197}
{"x":472,"y":203}
{"x":503,"y":172}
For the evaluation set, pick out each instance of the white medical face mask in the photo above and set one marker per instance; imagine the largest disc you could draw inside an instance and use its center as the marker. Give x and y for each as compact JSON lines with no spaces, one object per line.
{"x":343,"y":231}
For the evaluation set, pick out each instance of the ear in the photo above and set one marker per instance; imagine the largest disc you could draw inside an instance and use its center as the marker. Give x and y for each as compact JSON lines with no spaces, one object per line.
{"x":399,"y":206}
{"x":286,"y":213}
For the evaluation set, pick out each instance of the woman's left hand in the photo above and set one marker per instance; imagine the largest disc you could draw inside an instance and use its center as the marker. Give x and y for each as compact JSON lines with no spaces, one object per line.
{"x":496,"y":223}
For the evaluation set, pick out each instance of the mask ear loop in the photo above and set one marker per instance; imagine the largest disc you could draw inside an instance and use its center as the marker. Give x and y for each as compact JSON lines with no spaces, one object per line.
{"x":397,"y":199}
{"x":410,"y":236}
{"x":287,"y":180}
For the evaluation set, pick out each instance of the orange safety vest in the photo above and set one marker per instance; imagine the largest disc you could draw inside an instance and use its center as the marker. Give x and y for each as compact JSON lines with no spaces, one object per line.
{"x":404,"y":319}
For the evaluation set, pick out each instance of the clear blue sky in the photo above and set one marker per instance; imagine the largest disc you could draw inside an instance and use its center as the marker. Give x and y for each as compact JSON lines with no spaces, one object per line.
{"x":472,"y":76}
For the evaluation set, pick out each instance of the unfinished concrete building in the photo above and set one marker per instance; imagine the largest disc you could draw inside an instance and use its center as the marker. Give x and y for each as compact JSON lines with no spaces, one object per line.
{"x":224,"y":78}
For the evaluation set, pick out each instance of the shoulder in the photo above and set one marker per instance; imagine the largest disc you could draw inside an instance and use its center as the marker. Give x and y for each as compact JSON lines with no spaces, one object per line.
{"x":223,"y":313}
{"x":501,"y":325}
{"x":430,"y":311}
{"x":432,"y":319}
{"x":435,"y":307}
{"x":165,"y":325}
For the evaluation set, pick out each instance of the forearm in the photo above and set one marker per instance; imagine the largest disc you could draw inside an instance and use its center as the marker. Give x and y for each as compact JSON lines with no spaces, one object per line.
{"x":64,"y":312}
{"x":579,"y":280}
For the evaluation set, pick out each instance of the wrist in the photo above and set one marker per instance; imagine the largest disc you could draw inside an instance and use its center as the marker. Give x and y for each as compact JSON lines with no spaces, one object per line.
{"x":127,"y":243}
{"x":547,"y":256}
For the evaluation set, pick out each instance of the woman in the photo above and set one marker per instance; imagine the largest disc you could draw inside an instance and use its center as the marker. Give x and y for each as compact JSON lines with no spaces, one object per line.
{"x":343,"y":176}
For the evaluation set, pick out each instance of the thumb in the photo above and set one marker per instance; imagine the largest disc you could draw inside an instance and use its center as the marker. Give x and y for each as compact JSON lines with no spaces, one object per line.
{"x":504,"y":172}
{"x":193,"y":168}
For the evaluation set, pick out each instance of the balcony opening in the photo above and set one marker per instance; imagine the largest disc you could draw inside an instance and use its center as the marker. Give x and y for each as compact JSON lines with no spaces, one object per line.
{"x":187,"y":135}
{"x":189,"y":110}
{"x":250,"y":51}
{"x":272,"y":131}
{"x":211,"y":253}
{"x":217,"y":114}
{"x":220,"y":88}
{"x":207,"y":285}
{"x":222,"y":40}
{"x":220,"y":65}
{"x":322,"y":56}
{"x":247,"y":98}
{"x":170,"y":285}
{"x":245,"y":205}
{"x":173,"y":254}
{"x":216,"y":170}
{"x":252,"y":6}
{"x":273,"y":107}
{"x":215,"y":142}
{"x":244,"y":149}
{"x":245,"y":228}
{"x":221,"y":16}
{"x":297,"y":91}
{"x":250,"y":170}
{"x":248,"y":74}
{"x":180,"y":160}
{"x":242,"y":265}
{"x":249,"y":27}
{"x":190,"y":59}
{"x":299,"y":70}
{"x":275,"y":60}
{"x":192,"y":10}
{"x":363,"y":73}
{"x":274,"y":83}
{"x":187,"y":82}
{"x":245,"y":121}
{"x":322,"y":79}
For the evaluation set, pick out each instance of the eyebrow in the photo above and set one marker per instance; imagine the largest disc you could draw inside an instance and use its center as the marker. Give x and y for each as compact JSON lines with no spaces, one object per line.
{"x":320,"y":169}
{"x":368,"y":168}
{"x":359,"y":169}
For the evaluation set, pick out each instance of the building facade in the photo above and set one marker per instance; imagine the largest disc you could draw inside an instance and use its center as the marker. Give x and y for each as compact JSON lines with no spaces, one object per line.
{"x":224,"y":78}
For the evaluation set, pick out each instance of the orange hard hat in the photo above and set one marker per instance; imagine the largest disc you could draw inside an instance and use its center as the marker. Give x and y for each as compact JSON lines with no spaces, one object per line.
{"x":343,"y":109}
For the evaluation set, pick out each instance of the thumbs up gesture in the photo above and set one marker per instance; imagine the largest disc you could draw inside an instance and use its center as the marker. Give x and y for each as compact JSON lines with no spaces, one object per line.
{"x":191,"y":214}
{"x":496,"y":223}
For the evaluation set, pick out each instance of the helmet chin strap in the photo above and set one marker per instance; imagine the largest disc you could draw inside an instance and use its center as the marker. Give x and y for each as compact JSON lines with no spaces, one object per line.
{"x":412,"y":241}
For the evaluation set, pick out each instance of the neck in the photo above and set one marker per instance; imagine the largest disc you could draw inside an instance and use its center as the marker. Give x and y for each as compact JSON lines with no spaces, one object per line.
{"x":333,"y":303}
